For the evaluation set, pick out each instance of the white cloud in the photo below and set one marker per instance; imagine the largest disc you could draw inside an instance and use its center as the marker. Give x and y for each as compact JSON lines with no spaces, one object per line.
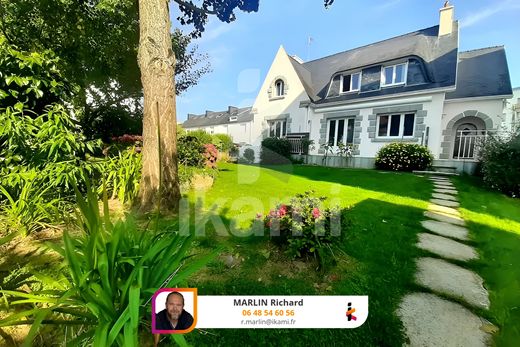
{"x":476,"y":17}
{"x":387,"y":4}
{"x":213,"y":31}
{"x":219,"y":56}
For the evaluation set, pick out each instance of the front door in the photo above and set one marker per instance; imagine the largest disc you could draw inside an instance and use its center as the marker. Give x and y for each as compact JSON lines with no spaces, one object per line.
{"x":465,"y":138}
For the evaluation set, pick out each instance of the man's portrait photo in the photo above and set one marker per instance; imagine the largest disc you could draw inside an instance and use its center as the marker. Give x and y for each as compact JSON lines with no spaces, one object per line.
{"x":174,"y":310}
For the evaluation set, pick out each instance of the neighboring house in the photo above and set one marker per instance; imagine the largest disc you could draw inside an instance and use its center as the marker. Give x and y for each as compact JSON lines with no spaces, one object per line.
{"x":414,"y":88}
{"x":235,"y":122}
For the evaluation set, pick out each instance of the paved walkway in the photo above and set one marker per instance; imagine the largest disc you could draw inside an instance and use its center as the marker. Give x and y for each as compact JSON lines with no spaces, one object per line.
{"x":432,"y":320}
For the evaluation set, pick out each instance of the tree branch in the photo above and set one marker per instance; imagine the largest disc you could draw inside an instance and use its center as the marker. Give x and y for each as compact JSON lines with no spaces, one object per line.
{"x":194,"y":8}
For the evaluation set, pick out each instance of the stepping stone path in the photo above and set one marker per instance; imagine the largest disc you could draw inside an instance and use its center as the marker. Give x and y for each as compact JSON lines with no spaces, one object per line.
{"x":428,"y":319}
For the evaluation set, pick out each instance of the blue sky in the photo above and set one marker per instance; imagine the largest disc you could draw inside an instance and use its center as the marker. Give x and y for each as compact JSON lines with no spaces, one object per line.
{"x":242,"y":52}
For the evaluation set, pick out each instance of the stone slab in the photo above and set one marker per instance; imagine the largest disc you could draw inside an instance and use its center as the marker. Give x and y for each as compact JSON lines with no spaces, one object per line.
{"x":430,"y":321}
{"x":443,"y":185}
{"x":452,"y":280}
{"x":443,"y":217}
{"x":446,"y":203}
{"x":438,"y":178}
{"x":444,"y":196}
{"x":446,"y":248}
{"x":444,"y":210}
{"x":445,"y":191}
{"x":446,"y":229}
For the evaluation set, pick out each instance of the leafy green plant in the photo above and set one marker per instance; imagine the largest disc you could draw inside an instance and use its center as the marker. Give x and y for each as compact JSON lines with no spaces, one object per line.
{"x":29,"y":80}
{"x":275,"y":151}
{"x":304,"y":226}
{"x":500,"y":164}
{"x":111,"y":271}
{"x":202,"y":136}
{"x":29,"y":212}
{"x":249,"y":155}
{"x":123,"y":173}
{"x":403,"y":157}
{"x":225,"y":142}
{"x":190,"y":151}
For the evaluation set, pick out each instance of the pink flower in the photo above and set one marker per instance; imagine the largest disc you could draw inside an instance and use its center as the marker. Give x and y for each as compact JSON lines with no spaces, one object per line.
{"x":282,"y":211}
{"x":316,"y":213}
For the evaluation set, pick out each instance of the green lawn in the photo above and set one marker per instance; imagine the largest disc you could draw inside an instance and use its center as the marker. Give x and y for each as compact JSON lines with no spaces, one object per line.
{"x":378,"y":246}
{"x":494,"y":222}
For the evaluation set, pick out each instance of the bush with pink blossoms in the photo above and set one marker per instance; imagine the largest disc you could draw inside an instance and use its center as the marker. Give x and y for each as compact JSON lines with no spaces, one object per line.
{"x":304,"y":227}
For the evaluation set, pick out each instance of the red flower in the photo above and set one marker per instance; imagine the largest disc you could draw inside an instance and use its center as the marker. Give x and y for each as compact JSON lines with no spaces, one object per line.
{"x":282,"y":211}
{"x":316,"y":213}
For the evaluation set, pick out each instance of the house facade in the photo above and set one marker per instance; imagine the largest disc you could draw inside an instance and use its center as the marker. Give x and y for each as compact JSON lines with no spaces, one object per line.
{"x":414,"y":88}
{"x":235,"y":122}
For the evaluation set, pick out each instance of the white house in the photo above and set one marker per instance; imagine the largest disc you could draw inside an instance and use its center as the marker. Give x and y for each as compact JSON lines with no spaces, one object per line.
{"x":416,"y":88}
{"x":512,"y":111}
{"x":235,"y":122}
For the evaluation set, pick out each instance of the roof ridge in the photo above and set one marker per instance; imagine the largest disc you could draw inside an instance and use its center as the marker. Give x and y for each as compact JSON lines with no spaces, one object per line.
{"x":481,"y":49}
{"x":371,"y":44}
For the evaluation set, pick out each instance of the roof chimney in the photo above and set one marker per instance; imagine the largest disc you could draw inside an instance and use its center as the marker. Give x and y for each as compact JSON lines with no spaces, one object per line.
{"x":232,"y":109}
{"x":446,"y":19}
{"x":208,"y":113}
{"x":191,"y":115}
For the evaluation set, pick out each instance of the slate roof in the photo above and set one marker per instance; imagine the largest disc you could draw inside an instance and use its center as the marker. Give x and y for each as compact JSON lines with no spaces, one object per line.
{"x":438,"y":56}
{"x":482,"y":72}
{"x":217,"y":118}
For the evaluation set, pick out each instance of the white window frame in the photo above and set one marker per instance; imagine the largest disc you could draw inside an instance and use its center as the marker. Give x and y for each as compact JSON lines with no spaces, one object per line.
{"x":401,"y":126}
{"x":351,"y":90}
{"x":272,"y":123}
{"x":345,"y":131}
{"x":280,"y":92}
{"x":394,"y":68}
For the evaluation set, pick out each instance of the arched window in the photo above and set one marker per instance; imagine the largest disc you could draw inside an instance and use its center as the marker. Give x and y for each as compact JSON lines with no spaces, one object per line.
{"x":279,"y":85}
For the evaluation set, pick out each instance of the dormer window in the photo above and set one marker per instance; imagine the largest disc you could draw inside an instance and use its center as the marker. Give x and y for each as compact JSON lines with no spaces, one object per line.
{"x":233,"y":118}
{"x":393,"y":75}
{"x":350,"y":83}
{"x":279,"y":88}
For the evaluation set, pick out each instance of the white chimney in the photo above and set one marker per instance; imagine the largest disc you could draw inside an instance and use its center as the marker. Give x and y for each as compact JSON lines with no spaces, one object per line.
{"x":446,"y":19}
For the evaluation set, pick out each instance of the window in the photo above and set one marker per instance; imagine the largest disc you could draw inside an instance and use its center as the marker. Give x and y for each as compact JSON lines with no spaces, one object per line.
{"x":278,"y":128}
{"x":233,"y":118}
{"x":211,"y":130}
{"x":340,"y":131}
{"x":393,"y":75}
{"x":350,"y":83}
{"x":395,"y":125}
{"x":279,"y":86}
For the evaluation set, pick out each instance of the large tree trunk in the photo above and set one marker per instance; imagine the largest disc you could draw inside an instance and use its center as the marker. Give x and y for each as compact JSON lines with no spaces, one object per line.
{"x":159,"y":182}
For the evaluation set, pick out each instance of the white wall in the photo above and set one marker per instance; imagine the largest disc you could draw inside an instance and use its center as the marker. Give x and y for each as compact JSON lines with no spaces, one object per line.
{"x":493,"y":108}
{"x":266,"y":107}
{"x":512,"y":114}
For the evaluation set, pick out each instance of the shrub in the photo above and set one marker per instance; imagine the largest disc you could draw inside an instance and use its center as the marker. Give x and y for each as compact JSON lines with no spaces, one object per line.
{"x":190,"y":151}
{"x":500,"y":164}
{"x":403,"y":157}
{"x":202,"y":136}
{"x":210,"y":155}
{"x":225,"y":142}
{"x":275,"y":151}
{"x":304,"y":226}
{"x":249,"y":155}
{"x":123,"y":174}
{"x":102,"y":296}
{"x":234,"y":151}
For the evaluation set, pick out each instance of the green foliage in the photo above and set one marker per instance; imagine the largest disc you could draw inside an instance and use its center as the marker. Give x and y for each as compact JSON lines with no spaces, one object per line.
{"x":29,"y":80}
{"x":123,"y":174}
{"x":500,"y":164}
{"x":223,"y":142}
{"x":33,"y":209}
{"x":186,"y":173}
{"x":304,"y":226}
{"x":249,"y":155}
{"x":275,"y":151}
{"x":190,"y":151}
{"x":110,"y":272}
{"x":403,"y":157}
{"x":202,"y":136}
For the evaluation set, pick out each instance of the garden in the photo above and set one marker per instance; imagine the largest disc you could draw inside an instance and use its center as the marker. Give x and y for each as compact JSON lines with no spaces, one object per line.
{"x":80,"y":261}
